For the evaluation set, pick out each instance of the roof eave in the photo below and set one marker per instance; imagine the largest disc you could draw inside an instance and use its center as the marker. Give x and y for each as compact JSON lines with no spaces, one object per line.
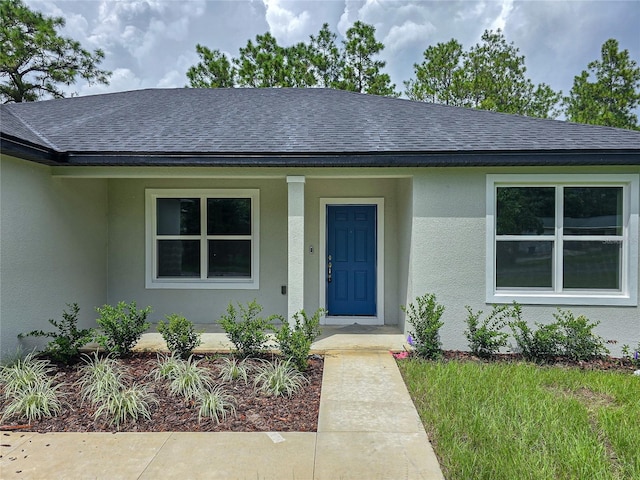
{"x":364,"y":159}
{"x":25,"y":150}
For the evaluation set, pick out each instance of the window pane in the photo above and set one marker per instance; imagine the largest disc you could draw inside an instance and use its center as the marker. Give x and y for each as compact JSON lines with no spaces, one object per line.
{"x":593,"y":265}
{"x":178,"y":258}
{"x":525,"y":211}
{"x":593,"y":211}
{"x":229,"y":258}
{"x":178,"y":216}
{"x":524,"y":264}
{"x":229,"y":216}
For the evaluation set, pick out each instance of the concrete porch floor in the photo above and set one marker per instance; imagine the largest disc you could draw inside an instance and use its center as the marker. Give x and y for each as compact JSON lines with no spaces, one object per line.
{"x":345,"y":338}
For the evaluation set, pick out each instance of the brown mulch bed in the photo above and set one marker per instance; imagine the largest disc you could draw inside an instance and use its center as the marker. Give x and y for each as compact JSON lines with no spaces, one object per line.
{"x":255,"y":412}
{"x":604,"y":363}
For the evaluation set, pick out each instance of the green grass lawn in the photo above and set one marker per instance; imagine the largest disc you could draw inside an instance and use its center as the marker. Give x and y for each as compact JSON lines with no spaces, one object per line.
{"x":521,"y":421}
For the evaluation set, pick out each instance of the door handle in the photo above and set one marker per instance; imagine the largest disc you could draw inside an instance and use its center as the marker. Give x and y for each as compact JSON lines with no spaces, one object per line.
{"x":329,"y":265}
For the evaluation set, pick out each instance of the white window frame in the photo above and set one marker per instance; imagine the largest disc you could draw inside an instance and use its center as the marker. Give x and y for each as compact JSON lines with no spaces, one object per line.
{"x":152,"y":280}
{"x":628,"y":293}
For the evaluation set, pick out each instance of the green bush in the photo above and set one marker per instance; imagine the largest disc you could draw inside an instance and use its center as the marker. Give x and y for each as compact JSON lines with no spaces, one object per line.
{"x":295,"y":341}
{"x":540,"y":345}
{"x":67,"y":340}
{"x":248,"y":333}
{"x":632,"y":356}
{"x":568,"y":337}
{"x":424,"y":317}
{"x":180,"y":335}
{"x":486,"y":337}
{"x":122,"y":326}
{"x":578,"y":340}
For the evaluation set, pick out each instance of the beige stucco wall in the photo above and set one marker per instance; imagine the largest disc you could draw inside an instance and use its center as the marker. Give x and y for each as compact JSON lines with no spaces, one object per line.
{"x":53,"y":249}
{"x":448,"y":254}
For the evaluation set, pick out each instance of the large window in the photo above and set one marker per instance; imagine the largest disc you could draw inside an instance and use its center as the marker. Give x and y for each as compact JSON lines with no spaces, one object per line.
{"x":567,"y":240}
{"x":202,"y":238}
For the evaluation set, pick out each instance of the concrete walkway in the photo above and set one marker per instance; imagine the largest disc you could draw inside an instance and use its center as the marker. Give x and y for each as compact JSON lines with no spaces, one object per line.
{"x":368,"y":429}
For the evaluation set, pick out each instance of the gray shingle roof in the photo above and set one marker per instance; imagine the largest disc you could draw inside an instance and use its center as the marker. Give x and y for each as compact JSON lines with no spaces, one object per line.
{"x":288,"y":122}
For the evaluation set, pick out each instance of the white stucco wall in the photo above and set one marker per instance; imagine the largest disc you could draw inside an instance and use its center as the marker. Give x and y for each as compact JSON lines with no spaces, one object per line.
{"x":127,"y":251}
{"x":53,"y":249}
{"x":448,"y":254}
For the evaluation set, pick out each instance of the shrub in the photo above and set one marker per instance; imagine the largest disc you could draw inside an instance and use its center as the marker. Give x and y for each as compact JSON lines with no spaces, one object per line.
{"x":68,"y":339}
{"x":578,"y":340}
{"x":122,"y":326}
{"x":215,"y":404}
{"x":279,"y":378}
{"x":632,"y":357}
{"x":486,"y":337}
{"x":249,"y":333}
{"x":180,"y":335}
{"x":540,"y":345}
{"x":233,"y":370}
{"x":295,"y":341}
{"x":424,"y":317}
{"x":568,"y":336}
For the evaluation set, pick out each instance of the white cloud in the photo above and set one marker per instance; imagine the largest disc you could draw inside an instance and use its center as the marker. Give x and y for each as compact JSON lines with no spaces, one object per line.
{"x":285,"y":24}
{"x":501,"y":21}
{"x":122,"y":79}
{"x":409,"y":33}
{"x":172,"y":79}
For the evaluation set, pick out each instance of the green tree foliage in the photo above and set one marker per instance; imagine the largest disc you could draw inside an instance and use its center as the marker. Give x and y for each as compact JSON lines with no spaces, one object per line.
{"x":320,"y":62}
{"x":214,"y":70}
{"x":267,"y":64}
{"x":439,"y":78}
{"x":35,"y":61}
{"x":361,"y":72}
{"x":326,"y":58}
{"x":608,"y":91}
{"x":489,"y":76}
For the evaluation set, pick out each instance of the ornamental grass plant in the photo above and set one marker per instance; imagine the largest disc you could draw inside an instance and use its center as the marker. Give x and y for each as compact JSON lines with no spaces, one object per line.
{"x":279,"y":378}
{"x":215,"y":404}
{"x":30,"y":389}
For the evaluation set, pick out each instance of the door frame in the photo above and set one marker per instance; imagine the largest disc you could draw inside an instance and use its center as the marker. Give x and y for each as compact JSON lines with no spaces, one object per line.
{"x":378,"y":319}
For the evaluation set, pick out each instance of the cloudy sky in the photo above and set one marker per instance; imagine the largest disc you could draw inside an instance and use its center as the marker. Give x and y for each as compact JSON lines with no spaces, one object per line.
{"x":151,"y":43}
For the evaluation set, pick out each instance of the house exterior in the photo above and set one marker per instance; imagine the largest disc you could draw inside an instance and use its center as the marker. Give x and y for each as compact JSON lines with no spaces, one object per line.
{"x":187,"y":199}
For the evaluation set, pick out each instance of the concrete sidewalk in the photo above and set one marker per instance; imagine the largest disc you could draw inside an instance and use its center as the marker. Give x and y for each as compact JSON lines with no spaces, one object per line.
{"x":368,"y":428}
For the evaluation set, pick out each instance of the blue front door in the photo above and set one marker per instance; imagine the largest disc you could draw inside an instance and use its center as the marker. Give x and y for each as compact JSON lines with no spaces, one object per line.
{"x":351,"y":260}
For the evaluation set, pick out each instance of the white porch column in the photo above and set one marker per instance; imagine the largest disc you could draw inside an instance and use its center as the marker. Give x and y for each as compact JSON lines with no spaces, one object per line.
{"x":296,"y":248}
